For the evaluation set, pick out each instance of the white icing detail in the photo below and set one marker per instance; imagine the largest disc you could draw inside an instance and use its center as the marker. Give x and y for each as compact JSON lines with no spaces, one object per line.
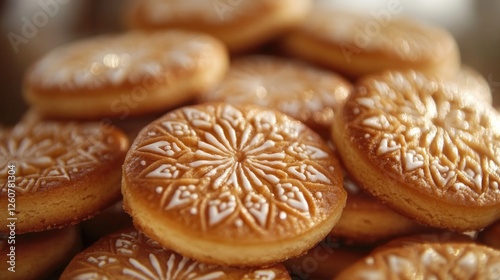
{"x":220,"y":208}
{"x":143,"y":162}
{"x":444,"y":173}
{"x":258,"y":206}
{"x":193,"y":211}
{"x":124,"y":247}
{"x":413,"y":160}
{"x":238,"y":223}
{"x":304,"y":171}
{"x":387,"y":146}
{"x":366,"y":136}
{"x":292,"y":196}
{"x":151,"y":133}
{"x":367,"y":102}
{"x":198,"y":118}
{"x":178,"y":128}
{"x":282,"y":215}
{"x":90,"y":275}
{"x":162,"y":147}
{"x":164,"y":171}
{"x":265,"y":274}
{"x":369,"y":261}
{"x":183,"y":195}
{"x":468,"y":261}
{"x":356,"y":111}
{"x":159,"y":189}
{"x":476,"y":179}
{"x":397,"y":264}
{"x":102,"y":260}
{"x":377,"y":122}
{"x":431,"y":257}
{"x":305,"y":151}
{"x":318,"y":195}
{"x":232,"y":115}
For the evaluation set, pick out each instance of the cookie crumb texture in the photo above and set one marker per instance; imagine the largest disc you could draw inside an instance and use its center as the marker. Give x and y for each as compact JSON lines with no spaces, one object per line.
{"x":233,"y":178}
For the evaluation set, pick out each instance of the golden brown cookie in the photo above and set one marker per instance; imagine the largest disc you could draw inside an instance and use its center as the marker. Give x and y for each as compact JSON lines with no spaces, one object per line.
{"x":365,"y":220}
{"x":302,"y":91}
{"x":427,"y":261}
{"x":37,"y":255}
{"x":126,"y":74}
{"x":128,"y":254}
{"x":359,"y":44}
{"x":437,"y":237}
{"x":491,"y":235}
{"x":235,"y":185}
{"x":242,"y":24}
{"x":57,"y":173}
{"x":425,"y":149}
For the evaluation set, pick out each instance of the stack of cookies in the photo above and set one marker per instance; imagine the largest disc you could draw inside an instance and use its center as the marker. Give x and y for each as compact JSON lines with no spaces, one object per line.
{"x":253,"y":139}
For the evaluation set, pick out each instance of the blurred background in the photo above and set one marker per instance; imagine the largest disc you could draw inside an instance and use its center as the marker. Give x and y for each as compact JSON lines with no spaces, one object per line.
{"x":31,"y":28}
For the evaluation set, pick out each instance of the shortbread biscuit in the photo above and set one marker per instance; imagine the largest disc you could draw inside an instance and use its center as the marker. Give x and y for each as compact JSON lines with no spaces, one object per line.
{"x":491,"y":235}
{"x":428,"y":261}
{"x":126,"y":74}
{"x":367,"y":221}
{"x":242,"y":25}
{"x":128,"y":254}
{"x":57,"y":173}
{"x":358,"y":44}
{"x":38,"y":255}
{"x":233,"y":185}
{"x":424,"y":148}
{"x":299,"y":90}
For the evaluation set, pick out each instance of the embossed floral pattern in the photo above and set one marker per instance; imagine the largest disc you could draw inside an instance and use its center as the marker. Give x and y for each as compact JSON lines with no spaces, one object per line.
{"x":115,"y":60}
{"x":51,"y":152}
{"x":296,"y":89}
{"x":144,"y":259}
{"x":426,"y":132}
{"x":235,"y":167}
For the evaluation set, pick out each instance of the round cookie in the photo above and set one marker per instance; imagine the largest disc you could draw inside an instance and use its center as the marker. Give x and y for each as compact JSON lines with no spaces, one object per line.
{"x":491,"y":235}
{"x":126,"y":74}
{"x":365,"y":220}
{"x":358,"y":44}
{"x":37,"y":255}
{"x":306,"y":93}
{"x":57,"y":173}
{"x":233,"y":185}
{"x":427,"y":261}
{"x":242,"y":25}
{"x":424,"y":148}
{"x":129,"y":254}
